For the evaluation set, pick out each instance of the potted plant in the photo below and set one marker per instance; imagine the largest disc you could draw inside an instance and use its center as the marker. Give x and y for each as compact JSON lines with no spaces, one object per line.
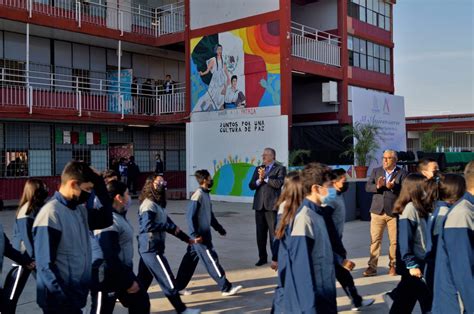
{"x":364,"y":147}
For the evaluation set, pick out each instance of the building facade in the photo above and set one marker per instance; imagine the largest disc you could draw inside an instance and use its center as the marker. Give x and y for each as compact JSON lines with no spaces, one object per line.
{"x":85,"y":80}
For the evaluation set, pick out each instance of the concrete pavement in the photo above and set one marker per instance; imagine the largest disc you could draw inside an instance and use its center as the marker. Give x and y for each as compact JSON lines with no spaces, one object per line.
{"x":237,"y":254}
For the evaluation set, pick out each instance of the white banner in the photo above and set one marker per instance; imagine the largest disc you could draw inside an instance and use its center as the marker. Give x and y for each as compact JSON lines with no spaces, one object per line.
{"x":385,"y":110}
{"x":230,"y":150}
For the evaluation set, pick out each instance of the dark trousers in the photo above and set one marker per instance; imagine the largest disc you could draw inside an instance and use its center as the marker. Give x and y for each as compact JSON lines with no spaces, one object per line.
{"x":409,"y":290}
{"x":265,"y":221}
{"x":344,"y":277}
{"x":208,"y":256}
{"x":15,"y":282}
{"x":104,"y":302}
{"x":62,"y":311}
{"x":156,"y":265}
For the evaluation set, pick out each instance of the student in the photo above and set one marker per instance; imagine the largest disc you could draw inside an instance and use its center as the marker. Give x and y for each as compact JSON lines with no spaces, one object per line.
{"x":428,"y":167}
{"x":113,"y":260}
{"x":451,"y":188}
{"x":289,"y":201}
{"x":338,"y":216}
{"x":412,"y":208}
{"x":154,"y":223}
{"x":200,"y":219}
{"x":61,"y":240}
{"x":33,"y":198}
{"x":310,"y":283}
{"x":453,"y":280}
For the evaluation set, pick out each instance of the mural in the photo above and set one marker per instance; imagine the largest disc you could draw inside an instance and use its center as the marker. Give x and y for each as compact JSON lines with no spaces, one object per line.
{"x":237,"y":70}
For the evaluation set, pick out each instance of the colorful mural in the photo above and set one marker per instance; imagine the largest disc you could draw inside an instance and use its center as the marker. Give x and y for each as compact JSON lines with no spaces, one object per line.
{"x":239,"y":69}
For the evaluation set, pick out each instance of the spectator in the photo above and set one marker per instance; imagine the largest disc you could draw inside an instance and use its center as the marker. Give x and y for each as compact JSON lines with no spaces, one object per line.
{"x":385,"y":182}
{"x":160,"y":167}
{"x":168,"y":85}
{"x":133,"y":171}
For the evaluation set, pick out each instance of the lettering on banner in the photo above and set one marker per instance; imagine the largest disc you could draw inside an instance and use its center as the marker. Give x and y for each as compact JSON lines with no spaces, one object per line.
{"x":244,"y":126}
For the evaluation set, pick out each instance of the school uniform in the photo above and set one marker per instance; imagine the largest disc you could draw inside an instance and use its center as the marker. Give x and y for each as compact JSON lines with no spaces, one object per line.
{"x":18,"y":275}
{"x":454,"y":282}
{"x":434,"y":229}
{"x":200,"y":219}
{"x":280,"y":255}
{"x":154,"y":223}
{"x":411,"y":250}
{"x":309,"y":283}
{"x":63,"y":253}
{"x":113,"y":269}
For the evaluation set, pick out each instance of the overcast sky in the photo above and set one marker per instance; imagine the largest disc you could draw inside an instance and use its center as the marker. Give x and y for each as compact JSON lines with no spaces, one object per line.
{"x":434,"y":56}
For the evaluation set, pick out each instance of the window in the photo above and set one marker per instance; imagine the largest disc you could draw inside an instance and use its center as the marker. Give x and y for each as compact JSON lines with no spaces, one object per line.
{"x":14,"y":72}
{"x":16,"y":163}
{"x":374,"y":12}
{"x":368,"y":55}
{"x":81,"y":79}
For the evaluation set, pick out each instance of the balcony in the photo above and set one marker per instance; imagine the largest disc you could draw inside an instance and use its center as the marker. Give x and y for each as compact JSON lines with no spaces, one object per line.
{"x":47,"y":87}
{"x":315,"y":45}
{"x":130,"y":18}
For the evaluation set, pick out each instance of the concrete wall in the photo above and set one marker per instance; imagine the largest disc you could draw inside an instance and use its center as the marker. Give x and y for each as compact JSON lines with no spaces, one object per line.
{"x":211,"y":12}
{"x":307,"y":98}
{"x":321,"y":15}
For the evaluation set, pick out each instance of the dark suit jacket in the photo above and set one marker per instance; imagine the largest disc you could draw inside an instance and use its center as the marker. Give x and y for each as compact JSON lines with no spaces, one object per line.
{"x":383,"y":198}
{"x":267,"y":193}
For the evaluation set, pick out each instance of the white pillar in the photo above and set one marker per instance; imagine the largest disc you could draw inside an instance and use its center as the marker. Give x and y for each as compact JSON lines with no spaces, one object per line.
{"x":28,"y":54}
{"x":119,"y":65}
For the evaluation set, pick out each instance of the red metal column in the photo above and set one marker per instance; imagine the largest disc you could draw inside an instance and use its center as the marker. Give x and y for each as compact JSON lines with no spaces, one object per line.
{"x":285,"y":62}
{"x":343,"y":114}
{"x":187,"y":54}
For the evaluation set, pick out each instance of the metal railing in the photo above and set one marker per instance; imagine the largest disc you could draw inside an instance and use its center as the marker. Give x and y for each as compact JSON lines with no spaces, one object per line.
{"x":47,"y":90}
{"x":136,"y":18}
{"x":315,"y":45}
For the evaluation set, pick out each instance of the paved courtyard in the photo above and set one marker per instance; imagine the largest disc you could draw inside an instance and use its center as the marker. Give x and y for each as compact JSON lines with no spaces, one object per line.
{"x":238,"y":254}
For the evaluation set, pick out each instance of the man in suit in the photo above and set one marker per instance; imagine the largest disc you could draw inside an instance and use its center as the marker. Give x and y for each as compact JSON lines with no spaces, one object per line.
{"x":385,"y":182}
{"x":168,"y":84}
{"x":266,"y":181}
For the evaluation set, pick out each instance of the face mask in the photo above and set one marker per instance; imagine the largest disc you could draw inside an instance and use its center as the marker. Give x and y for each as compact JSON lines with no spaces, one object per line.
{"x":330,"y":196}
{"x":211,"y":183}
{"x":78,"y":200}
{"x":344,"y":187}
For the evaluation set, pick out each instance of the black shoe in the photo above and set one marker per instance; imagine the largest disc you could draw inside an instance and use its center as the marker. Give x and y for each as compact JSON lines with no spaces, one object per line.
{"x":261,"y":262}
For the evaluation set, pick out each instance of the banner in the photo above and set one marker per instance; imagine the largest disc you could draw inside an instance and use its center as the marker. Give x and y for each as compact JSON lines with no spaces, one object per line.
{"x":384,"y":110}
{"x":236,"y":74}
{"x":113,"y":104}
{"x":230,"y":150}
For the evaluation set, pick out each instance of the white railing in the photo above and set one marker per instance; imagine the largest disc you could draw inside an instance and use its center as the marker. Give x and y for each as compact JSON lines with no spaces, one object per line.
{"x":45,"y":90}
{"x":132,"y":18}
{"x":315,"y":45}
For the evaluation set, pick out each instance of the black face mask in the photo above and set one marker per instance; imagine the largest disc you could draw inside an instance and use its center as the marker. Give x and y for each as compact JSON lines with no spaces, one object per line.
{"x":211,"y":183}
{"x":78,"y":200}
{"x":344,"y":188}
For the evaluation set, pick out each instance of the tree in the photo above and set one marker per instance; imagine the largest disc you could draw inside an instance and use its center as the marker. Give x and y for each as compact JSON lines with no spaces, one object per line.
{"x":429,"y":142}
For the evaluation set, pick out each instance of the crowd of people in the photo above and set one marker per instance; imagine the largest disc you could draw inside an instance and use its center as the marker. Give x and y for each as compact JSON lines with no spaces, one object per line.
{"x":79,"y":242}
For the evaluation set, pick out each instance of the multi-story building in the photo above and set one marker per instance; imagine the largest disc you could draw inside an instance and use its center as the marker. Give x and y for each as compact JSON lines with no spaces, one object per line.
{"x":85,"y":79}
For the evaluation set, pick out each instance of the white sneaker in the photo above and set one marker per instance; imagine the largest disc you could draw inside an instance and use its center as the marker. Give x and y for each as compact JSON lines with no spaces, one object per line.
{"x":191,"y":311}
{"x":365,"y":303}
{"x":387,"y":298}
{"x":232,"y":291}
{"x":185,"y":292}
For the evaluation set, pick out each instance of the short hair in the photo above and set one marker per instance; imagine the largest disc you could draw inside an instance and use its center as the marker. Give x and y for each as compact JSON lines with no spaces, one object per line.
{"x":315,"y":174}
{"x":271,"y":150}
{"x":233,"y":77}
{"x":107,"y":174}
{"x":201,"y":175}
{"x":391,"y":151}
{"x":338,"y":173}
{"x":423,"y":163}
{"x":469,"y":174}
{"x":132,"y":158}
{"x":115,"y":188}
{"x":78,"y":170}
{"x":167,"y":75}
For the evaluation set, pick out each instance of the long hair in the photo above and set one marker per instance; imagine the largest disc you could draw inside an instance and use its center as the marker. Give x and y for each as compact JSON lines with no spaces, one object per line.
{"x":155,"y":195}
{"x":35,"y":194}
{"x":418,"y":190}
{"x":451,"y":187}
{"x":292,"y":197}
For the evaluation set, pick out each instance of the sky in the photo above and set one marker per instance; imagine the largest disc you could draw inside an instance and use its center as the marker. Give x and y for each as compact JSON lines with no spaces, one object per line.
{"x":434,"y":56}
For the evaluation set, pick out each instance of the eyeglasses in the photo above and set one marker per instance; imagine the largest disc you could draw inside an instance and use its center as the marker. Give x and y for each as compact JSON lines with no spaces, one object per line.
{"x":388,"y":158}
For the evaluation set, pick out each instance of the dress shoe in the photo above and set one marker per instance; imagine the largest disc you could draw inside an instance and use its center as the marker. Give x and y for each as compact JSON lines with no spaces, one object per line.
{"x":370,"y":272}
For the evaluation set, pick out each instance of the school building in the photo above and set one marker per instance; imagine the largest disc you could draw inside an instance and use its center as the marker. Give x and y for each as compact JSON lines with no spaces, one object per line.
{"x":85,"y":79}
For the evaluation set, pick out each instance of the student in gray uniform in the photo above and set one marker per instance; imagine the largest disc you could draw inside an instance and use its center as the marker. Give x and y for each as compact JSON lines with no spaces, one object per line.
{"x":112,"y":266}
{"x":413,"y":208}
{"x":200,"y":219}
{"x":6,"y":249}
{"x":338,"y":216}
{"x":62,"y":243}
{"x":33,"y":198}
{"x":154,"y":223}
